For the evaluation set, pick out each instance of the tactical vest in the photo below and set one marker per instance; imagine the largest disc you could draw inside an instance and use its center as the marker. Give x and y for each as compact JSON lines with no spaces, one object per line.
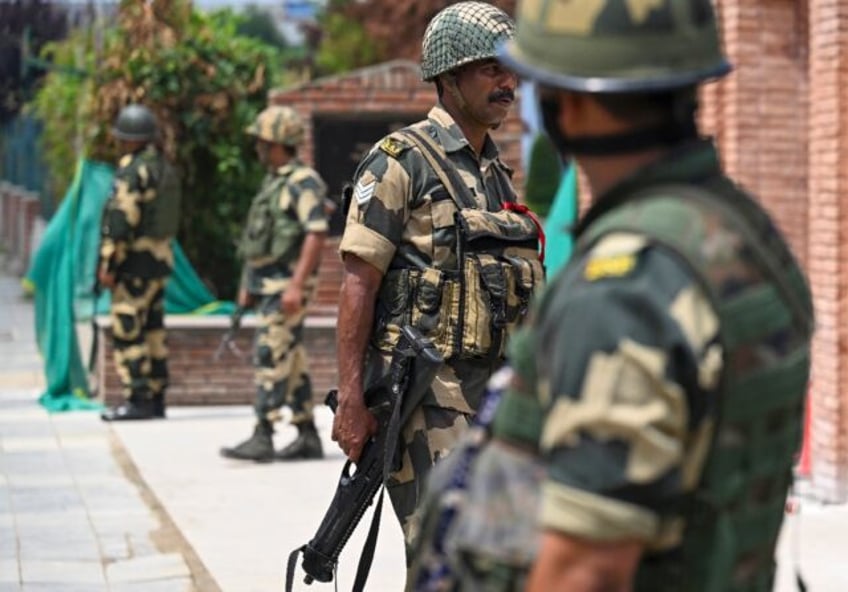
{"x":271,"y":234}
{"x":733,"y":517}
{"x":160,"y":217}
{"x":469,"y":309}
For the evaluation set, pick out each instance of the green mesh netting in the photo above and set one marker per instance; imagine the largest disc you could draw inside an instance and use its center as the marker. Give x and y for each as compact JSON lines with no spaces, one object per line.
{"x":61,"y":277}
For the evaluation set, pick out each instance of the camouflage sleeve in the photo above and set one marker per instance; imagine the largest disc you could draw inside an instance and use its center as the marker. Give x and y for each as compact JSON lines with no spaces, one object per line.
{"x":378,"y":210}
{"x":122,"y":213}
{"x":307,"y":191}
{"x":626,"y":366}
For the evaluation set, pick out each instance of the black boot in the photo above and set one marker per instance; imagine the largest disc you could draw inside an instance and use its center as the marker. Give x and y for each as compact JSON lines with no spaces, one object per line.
{"x":258,"y":447}
{"x":159,"y":405}
{"x":134,"y":408}
{"x":306,"y":446}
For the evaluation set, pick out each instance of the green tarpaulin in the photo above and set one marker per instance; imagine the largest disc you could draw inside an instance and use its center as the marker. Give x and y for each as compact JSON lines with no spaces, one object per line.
{"x":559,"y":223}
{"x":61,"y":276}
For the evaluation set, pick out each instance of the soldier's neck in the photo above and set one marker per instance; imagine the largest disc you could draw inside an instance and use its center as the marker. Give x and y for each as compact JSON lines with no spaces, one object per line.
{"x":474,"y":131}
{"x":605,"y":172}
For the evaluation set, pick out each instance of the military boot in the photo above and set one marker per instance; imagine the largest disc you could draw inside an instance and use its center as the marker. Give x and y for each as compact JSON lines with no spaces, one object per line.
{"x":258,"y":447}
{"x":159,"y":405}
{"x":136,"y":407}
{"x":307,"y":445}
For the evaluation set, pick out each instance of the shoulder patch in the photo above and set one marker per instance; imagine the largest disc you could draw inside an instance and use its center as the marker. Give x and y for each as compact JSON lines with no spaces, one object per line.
{"x":393,"y":146}
{"x":612,"y":266}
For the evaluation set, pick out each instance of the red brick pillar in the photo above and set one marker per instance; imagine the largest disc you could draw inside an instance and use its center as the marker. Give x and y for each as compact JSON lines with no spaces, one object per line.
{"x":759,"y":112}
{"x":828,"y":260}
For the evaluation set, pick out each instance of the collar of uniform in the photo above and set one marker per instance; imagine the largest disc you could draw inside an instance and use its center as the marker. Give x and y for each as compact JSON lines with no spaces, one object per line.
{"x":692,"y":162}
{"x":452,"y":139}
{"x":287,"y":168}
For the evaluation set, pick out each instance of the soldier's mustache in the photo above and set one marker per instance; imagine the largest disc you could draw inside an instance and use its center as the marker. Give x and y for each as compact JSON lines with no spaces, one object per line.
{"x":502,"y":94}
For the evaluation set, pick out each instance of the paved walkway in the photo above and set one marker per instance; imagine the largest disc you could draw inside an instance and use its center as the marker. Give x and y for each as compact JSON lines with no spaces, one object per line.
{"x":150,"y":506}
{"x":74,"y":514}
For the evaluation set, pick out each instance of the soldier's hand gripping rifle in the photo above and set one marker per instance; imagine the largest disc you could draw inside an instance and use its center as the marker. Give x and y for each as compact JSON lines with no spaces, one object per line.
{"x":414,"y":365}
{"x":228,"y":341}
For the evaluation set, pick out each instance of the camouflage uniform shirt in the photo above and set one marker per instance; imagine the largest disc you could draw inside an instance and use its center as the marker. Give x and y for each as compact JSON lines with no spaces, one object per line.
{"x":623,"y":358}
{"x":123,"y":250}
{"x":401,"y":216}
{"x":401,"y":212}
{"x":296,"y":194}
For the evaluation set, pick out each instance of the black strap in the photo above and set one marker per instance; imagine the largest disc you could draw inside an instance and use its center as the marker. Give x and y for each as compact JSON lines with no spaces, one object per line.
{"x":446,"y":172}
{"x":291,"y":567}
{"x":367,"y":556}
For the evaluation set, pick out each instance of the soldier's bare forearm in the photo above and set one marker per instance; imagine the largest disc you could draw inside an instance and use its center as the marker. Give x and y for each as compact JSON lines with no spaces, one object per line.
{"x":358,"y":294}
{"x":310,"y":255}
{"x":567,"y":563}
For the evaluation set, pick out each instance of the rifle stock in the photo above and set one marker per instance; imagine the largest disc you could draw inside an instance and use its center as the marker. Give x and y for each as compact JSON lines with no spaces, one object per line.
{"x":414,"y":365}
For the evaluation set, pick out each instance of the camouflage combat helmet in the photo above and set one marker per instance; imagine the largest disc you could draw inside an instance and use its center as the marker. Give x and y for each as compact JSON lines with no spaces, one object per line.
{"x":277,"y":124}
{"x":135,"y":123}
{"x":463,"y":33}
{"x":614,"y":46}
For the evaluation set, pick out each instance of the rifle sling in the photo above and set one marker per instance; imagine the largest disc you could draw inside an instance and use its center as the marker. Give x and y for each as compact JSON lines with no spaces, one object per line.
{"x":368,"y":548}
{"x":92,"y":353}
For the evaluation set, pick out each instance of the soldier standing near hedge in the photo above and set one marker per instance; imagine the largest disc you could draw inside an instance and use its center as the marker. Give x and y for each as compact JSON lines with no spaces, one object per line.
{"x":434,"y":239}
{"x":139,"y":221}
{"x":281,"y":246}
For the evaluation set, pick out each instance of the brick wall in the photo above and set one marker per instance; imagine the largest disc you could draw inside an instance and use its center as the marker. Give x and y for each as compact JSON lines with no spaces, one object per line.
{"x":197,"y":378}
{"x":827,"y":225}
{"x":386,"y":88}
{"x":19,"y":212}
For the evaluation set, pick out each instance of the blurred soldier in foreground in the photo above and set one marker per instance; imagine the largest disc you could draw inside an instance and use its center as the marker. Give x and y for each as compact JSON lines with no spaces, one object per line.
{"x":434,"y":239}
{"x":281,"y":246}
{"x":645,"y":438}
{"x":139,"y":221}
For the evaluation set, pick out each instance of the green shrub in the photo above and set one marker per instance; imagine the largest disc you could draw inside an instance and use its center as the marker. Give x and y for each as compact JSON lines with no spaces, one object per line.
{"x":204,"y":81}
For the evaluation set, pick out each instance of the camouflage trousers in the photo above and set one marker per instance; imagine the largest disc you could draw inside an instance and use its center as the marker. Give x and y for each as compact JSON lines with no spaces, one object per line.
{"x":431,"y":432}
{"x":138,"y":336}
{"x":282,"y":368}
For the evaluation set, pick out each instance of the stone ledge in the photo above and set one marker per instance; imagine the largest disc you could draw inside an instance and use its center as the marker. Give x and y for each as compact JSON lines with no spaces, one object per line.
{"x":222,"y":322}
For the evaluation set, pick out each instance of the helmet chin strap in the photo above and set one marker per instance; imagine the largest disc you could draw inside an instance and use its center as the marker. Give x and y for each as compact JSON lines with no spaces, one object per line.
{"x":663,"y":133}
{"x":453,"y":88}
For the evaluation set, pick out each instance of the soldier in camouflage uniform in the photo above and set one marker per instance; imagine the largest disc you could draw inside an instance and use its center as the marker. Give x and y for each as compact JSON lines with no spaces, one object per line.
{"x":281,"y":247}
{"x":413,"y":255}
{"x":645,"y":438}
{"x":139,"y":221}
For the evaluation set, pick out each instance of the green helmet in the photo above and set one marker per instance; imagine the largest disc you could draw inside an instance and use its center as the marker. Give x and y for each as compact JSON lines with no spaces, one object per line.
{"x":616,"y":46}
{"x":463,"y":33}
{"x":277,"y":124}
{"x":135,"y":123}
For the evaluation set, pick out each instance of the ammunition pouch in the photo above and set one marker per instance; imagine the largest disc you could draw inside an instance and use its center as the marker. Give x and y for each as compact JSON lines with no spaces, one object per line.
{"x":161,"y":216}
{"x":270,"y":233}
{"x":468,"y":312}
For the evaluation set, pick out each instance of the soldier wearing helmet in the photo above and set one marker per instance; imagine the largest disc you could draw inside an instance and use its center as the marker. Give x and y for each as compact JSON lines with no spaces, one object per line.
{"x":281,"y":247}
{"x":139,"y":221}
{"x":643,"y":436}
{"x":414,"y":254}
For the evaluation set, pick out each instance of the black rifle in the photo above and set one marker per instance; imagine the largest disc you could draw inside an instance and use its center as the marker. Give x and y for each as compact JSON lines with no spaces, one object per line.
{"x":414,"y":365}
{"x":228,"y":341}
{"x":95,"y":299}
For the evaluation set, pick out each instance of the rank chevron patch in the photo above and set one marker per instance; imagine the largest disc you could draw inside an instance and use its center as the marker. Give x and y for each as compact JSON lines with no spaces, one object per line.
{"x":364,"y":192}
